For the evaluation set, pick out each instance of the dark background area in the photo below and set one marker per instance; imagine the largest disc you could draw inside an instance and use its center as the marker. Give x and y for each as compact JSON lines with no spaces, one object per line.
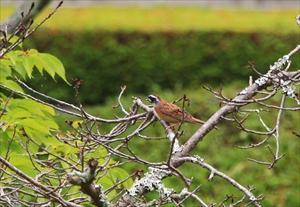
{"x":144,"y":61}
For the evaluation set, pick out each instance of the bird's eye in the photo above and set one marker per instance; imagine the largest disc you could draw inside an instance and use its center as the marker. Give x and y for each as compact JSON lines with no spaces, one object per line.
{"x":152,"y":99}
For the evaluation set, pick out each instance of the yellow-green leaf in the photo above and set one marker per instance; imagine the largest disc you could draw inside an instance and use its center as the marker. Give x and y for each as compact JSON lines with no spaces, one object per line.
{"x":11,"y":84}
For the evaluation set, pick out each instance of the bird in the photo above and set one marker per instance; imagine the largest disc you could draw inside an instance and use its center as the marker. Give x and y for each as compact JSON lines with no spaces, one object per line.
{"x":170,"y":112}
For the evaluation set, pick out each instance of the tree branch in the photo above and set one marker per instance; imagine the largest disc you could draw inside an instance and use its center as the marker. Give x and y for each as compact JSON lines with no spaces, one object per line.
{"x":243,"y":96}
{"x":16,"y":18}
{"x":214,"y":171}
{"x":44,"y":189}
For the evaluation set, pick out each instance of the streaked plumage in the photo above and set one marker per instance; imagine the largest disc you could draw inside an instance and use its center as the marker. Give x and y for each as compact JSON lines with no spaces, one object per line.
{"x":171,"y":113}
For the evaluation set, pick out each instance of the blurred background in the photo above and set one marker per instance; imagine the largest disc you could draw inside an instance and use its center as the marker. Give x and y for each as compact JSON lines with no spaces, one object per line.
{"x":173,"y":48}
{"x":149,"y":45}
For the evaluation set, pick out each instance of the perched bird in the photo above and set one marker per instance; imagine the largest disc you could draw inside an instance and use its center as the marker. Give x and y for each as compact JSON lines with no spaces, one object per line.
{"x":171,"y":113}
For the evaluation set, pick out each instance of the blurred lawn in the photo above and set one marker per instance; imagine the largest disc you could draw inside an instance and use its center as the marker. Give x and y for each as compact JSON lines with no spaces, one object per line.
{"x":163,"y":18}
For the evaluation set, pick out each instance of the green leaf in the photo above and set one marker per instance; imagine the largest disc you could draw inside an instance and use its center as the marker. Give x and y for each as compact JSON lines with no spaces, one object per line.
{"x":76,"y":123}
{"x":16,"y":61}
{"x":20,"y":69}
{"x":106,"y":182}
{"x":118,"y":174}
{"x":99,"y":154}
{"x":5,"y":69}
{"x":63,"y":149}
{"x":87,"y":204}
{"x":23,"y":62}
{"x":19,"y":113}
{"x":38,"y":136}
{"x":33,"y":107}
{"x":23,"y":163}
{"x":11,"y":84}
{"x":38,"y":62}
{"x":28,"y":66}
{"x":36,"y":119}
{"x":53,"y":66}
{"x":5,"y":139}
{"x":34,"y":124}
{"x":12,"y":57}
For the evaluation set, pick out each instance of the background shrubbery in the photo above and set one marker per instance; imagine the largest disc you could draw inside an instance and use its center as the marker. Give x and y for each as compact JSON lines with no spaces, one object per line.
{"x":145,"y":61}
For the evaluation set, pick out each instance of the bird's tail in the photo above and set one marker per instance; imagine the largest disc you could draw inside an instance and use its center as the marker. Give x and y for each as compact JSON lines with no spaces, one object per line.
{"x":195,"y":120}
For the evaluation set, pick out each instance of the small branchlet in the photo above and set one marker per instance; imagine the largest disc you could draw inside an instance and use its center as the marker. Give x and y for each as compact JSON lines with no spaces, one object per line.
{"x":278,"y":78}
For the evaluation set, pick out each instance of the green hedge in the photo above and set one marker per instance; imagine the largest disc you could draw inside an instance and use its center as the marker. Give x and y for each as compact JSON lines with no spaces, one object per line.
{"x":144,"y":61}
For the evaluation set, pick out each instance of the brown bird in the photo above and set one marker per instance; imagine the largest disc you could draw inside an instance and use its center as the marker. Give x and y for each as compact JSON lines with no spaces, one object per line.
{"x":171,"y":113}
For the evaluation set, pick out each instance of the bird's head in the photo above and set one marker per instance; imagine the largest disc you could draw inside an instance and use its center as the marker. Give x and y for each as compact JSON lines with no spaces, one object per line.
{"x":153,"y":99}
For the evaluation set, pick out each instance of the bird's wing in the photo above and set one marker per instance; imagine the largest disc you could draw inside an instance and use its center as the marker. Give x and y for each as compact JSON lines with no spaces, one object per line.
{"x":173,"y":111}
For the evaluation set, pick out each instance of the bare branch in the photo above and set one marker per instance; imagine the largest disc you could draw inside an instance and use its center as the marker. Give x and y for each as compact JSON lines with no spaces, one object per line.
{"x":44,"y":189}
{"x":214,"y":171}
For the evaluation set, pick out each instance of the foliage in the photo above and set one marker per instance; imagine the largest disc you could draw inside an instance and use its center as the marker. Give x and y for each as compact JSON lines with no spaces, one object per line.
{"x":29,"y":132}
{"x":24,"y":117}
{"x":145,"y":61}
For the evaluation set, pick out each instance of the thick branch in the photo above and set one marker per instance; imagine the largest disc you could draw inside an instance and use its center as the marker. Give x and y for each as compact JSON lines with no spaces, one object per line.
{"x":272,"y":77}
{"x":216,"y":118}
{"x":85,"y":181}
